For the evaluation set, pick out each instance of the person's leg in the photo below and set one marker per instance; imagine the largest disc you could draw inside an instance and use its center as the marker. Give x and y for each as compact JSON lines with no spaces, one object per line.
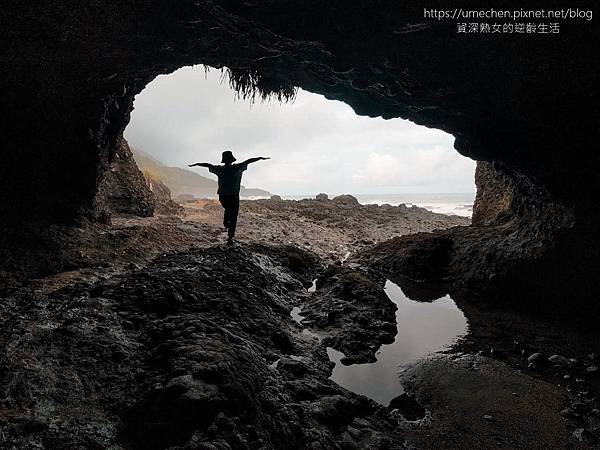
{"x":226,"y":217}
{"x":226,"y":212}
{"x":234,"y":208}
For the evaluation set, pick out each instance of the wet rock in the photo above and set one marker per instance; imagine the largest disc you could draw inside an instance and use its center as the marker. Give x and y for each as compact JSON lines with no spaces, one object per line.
{"x":322,"y":197}
{"x":353,"y":313}
{"x":282,"y":341}
{"x":275,"y":198}
{"x":186,"y":395}
{"x":578,"y":434}
{"x":35,"y":425}
{"x":580,"y":407}
{"x":408,"y":407}
{"x":497,"y":353}
{"x":569,"y":413}
{"x":154,"y":368}
{"x":537,"y":359}
{"x":421,"y":256}
{"x":296,"y":368}
{"x":336,"y":410}
{"x":559,"y":360}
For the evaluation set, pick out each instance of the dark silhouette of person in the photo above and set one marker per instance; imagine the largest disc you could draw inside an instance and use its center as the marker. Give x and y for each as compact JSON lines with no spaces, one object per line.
{"x":230,"y":178}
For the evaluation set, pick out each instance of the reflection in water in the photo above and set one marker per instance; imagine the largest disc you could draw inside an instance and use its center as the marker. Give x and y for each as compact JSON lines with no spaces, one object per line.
{"x":423,"y":328}
{"x":295,"y":314}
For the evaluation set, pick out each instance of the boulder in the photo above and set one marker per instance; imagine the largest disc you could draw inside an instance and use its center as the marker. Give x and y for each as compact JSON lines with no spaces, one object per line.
{"x":164,"y":204}
{"x":559,"y":360}
{"x":346,"y":199}
{"x":537,"y":359}
{"x":408,"y":407}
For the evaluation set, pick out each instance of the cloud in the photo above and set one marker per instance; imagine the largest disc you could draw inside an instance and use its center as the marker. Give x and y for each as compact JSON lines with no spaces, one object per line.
{"x":316,"y":145}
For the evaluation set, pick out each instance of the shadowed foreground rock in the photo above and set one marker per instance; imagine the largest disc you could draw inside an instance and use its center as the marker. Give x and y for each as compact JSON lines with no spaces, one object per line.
{"x":179,"y":352}
{"x":491,"y":405}
{"x":162,"y":339}
{"x":351,"y":311}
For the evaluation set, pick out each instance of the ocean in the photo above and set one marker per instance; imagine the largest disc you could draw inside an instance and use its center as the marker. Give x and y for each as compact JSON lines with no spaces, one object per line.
{"x":460,"y":204}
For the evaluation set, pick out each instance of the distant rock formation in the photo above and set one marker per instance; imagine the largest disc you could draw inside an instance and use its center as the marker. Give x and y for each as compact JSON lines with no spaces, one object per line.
{"x":182,"y":198}
{"x":124,"y":189}
{"x":185,"y":184}
{"x":346,"y":199}
{"x":164,"y":204}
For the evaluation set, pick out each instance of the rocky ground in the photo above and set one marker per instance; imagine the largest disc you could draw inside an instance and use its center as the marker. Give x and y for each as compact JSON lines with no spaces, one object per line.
{"x":196,"y":348}
{"x":158,"y":335}
{"x":332,"y":228}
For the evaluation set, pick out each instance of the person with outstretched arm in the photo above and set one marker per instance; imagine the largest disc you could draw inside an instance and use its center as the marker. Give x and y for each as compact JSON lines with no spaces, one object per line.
{"x":230,"y":178}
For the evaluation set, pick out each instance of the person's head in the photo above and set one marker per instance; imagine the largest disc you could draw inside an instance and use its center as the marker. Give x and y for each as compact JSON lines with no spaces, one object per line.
{"x":227,"y":157}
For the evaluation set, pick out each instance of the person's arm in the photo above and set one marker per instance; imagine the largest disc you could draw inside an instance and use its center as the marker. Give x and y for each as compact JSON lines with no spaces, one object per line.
{"x":207,"y":165}
{"x":251,"y":160}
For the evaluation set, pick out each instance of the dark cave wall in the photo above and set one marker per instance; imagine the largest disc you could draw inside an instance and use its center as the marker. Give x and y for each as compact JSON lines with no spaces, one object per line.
{"x":526,"y":101}
{"x":58,"y":143}
{"x":506,"y":197}
{"x":527,"y":104}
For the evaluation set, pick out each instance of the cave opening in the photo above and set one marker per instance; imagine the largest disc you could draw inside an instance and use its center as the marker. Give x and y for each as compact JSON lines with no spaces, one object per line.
{"x":317,"y":146}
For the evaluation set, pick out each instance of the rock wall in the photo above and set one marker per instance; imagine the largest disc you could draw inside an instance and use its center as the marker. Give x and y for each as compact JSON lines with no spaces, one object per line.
{"x":495,"y":195}
{"x":124,"y":189}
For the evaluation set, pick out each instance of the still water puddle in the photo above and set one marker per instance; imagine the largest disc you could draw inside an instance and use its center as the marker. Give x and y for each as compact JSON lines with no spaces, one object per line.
{"x":296,"y":315}
{"x":423,"y":328}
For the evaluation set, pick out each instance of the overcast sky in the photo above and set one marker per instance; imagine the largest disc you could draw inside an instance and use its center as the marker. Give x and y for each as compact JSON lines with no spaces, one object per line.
{"x":316,"y":145}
